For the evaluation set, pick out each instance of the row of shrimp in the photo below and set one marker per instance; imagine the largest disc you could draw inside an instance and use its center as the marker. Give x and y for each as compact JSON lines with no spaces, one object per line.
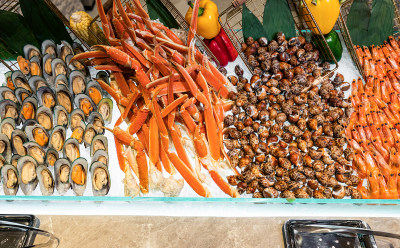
{"x":374,"y":128}
{"x":164,"y":89}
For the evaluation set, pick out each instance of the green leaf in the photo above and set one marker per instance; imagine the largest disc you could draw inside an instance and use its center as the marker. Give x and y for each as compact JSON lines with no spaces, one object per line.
{"x":44,"y":22}
{"x":381,"y":22}
{"x":278,"y":18}
{"x":357,"y":22}
{"x":157,"y":10}
{"x":14,"y":33}
{"x":251,"y":26}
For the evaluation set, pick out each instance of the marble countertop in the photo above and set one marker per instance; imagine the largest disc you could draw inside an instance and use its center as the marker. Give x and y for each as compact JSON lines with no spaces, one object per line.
{"x":131,"y":231}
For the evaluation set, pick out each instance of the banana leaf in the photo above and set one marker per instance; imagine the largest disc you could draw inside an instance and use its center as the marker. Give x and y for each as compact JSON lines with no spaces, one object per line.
{"x":357,"y":22}
{"x":157,"y":10}
{"x":14,"y":34}
{"x":381,"y":22}
{"x":44,"y":22}
{"x":278,"y":18}
{"x":251,"y":26}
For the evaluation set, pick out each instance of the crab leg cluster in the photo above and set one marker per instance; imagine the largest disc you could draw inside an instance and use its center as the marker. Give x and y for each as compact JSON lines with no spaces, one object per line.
{"x":163,"y":88}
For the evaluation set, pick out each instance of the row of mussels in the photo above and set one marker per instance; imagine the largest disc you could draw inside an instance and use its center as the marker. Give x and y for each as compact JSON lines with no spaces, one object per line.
{"x":285,"y":133}
{"x":36,"y":113}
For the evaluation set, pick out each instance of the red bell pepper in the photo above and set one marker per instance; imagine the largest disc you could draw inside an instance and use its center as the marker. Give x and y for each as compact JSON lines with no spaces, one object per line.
{"x":222,"y":48}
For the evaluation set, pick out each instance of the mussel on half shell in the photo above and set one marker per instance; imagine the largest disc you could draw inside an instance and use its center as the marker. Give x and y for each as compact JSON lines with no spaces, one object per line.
{"x":57,"y":138}
{"x":101,"y":156}
{"x":35,"y":151}
{"x":5,"y":147}
{"x":46,"y":97}
{"x":105,"y":108}
{"x":62,"y":170}
{"x":64,"y":97}
{"x":60,"y":116}
{"x":38,"y":134}
{"x":7,"y":126}
{"x":78,"y":176}
{"x":49,"y":47}
{"x":71,"y":149}
{"x":46,"y":181}
{"x":27,"y":174}
{"x":19,"y":80}
{"x":7,"y":94}
{"x":18,"y":138}
{"x":59,"y":67}
{"x":9,"y":109}
{"x":28,"y":109}
{"x":44,"y":117}
{"x":76,"y":118}
{"x":77,"y":82}
{"x":101,"y":182}
{"x":96,"y":119}
{"x":30,"y":51}
{"x":99,"y":142}
{"x":51,"y":156}
{"x":86,"y":104}
{"x":9,"y":176}
{"x":35,"y":82}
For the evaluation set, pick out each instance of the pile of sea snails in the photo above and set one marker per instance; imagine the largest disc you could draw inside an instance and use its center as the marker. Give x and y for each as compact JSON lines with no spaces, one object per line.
{"x":38,"y":107}
{"x":286,"y":134}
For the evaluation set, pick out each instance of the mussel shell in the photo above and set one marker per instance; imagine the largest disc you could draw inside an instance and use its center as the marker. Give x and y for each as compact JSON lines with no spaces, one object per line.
{"x":47,"y":111}
{"x":7,"y":153}
{"x":46,"y":57}
{"x":104,"y":103}
{"x":3,"y":105}
{"x":60,"y":129}
{"x":31,"y":144}
{"x":4,"y":90}
{"x":49,"y":43}
{"x":77,"y":65}
{"x":31,"y":186}
{"x":57,"y":109}
{"x":28,"y":123}
{"x":51,"y":151}
{"x":92,"y":117}
{"x":81,"y":126}
{"x":14,"y":159}
{"x":76,"y":144}
{"x":4,"y":177}
{"x":85,"y":140}
{"x":37,"y":60}
{"x":72,"y":123}
{"x":60,"y":186}
{"x":20,"y":75}
{"x":43,"y":90}
{"x":10,"y":121}
{"x":2,"y":161}
{"x":77,"y":48}
{"x":24,"y":139}
{"x":27,"y":49}
{"x":34,"y":104}
{"x":100,"y":153}
{"x":60,"y":50}
{"x":93,"y":85}
{"x":63,"y":89}
{"x":79,"y":189}
{"x":80,"y":97}
{"x":103,"y":75}
{"x":35,"y":82}
{"x":72,"y":76}
{"x":101,"y":138}
{"x":45,"y":191}
{"x":29,"y":133}
{"x":54,"y":67}
{"x":18,"y":93}
{"x":62,"y":80}
{"x":103,"y":191}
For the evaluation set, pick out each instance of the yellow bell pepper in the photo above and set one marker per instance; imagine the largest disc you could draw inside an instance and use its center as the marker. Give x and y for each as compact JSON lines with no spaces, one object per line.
{"x":325,"y":13}
{"x":207,"y":20}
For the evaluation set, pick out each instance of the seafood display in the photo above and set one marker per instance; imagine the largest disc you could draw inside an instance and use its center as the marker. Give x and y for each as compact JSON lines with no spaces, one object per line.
{"x":45,"y":119}
{"x":374,"y":130}
{"x":168,"y":92}
{"x":286,"y":134}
